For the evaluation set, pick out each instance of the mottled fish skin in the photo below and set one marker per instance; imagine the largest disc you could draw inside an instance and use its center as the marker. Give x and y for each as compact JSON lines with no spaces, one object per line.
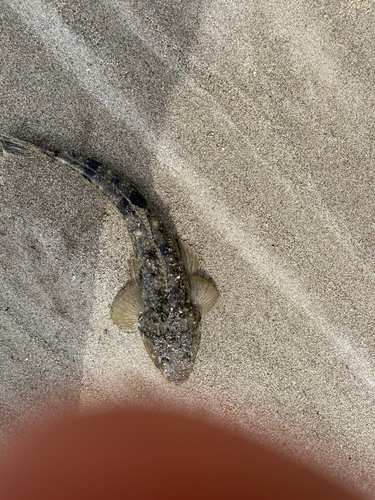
{"x":168,"y":320}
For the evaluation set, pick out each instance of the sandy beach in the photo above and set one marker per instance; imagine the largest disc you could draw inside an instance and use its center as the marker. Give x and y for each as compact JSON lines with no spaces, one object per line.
{"x":250,"y":127}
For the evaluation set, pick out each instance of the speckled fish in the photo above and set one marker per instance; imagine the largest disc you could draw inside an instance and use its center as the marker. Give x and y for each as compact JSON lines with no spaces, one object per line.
{"x":166,"y":298}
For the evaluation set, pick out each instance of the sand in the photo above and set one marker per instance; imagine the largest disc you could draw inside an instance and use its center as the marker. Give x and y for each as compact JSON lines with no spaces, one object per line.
{"x":250,"y":126}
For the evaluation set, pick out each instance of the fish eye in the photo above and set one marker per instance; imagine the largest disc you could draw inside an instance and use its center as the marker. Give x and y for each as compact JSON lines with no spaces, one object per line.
{"x":164,"y":360}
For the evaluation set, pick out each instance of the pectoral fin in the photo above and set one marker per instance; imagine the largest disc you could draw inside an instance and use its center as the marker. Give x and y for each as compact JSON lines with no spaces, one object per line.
{"x":203,"y":293}
{"x":189,"y":256}
{"x":127,"y":307}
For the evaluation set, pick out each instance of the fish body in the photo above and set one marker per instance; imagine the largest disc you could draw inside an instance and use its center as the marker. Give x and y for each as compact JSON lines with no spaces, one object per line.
{"x":166,"y":298}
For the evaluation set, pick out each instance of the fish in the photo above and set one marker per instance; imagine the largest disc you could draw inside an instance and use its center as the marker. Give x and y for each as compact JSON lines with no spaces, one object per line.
{"x":166,"y":297}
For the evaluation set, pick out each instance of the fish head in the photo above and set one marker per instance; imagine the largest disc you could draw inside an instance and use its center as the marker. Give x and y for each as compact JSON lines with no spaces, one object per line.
{"x":172,"y":341}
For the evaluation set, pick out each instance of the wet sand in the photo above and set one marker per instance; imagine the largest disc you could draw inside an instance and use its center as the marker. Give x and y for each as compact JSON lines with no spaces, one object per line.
{"x":251,"y":128}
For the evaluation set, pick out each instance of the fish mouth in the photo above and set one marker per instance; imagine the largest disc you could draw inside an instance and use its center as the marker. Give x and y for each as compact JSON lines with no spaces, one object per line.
{"x":176,"y":377}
